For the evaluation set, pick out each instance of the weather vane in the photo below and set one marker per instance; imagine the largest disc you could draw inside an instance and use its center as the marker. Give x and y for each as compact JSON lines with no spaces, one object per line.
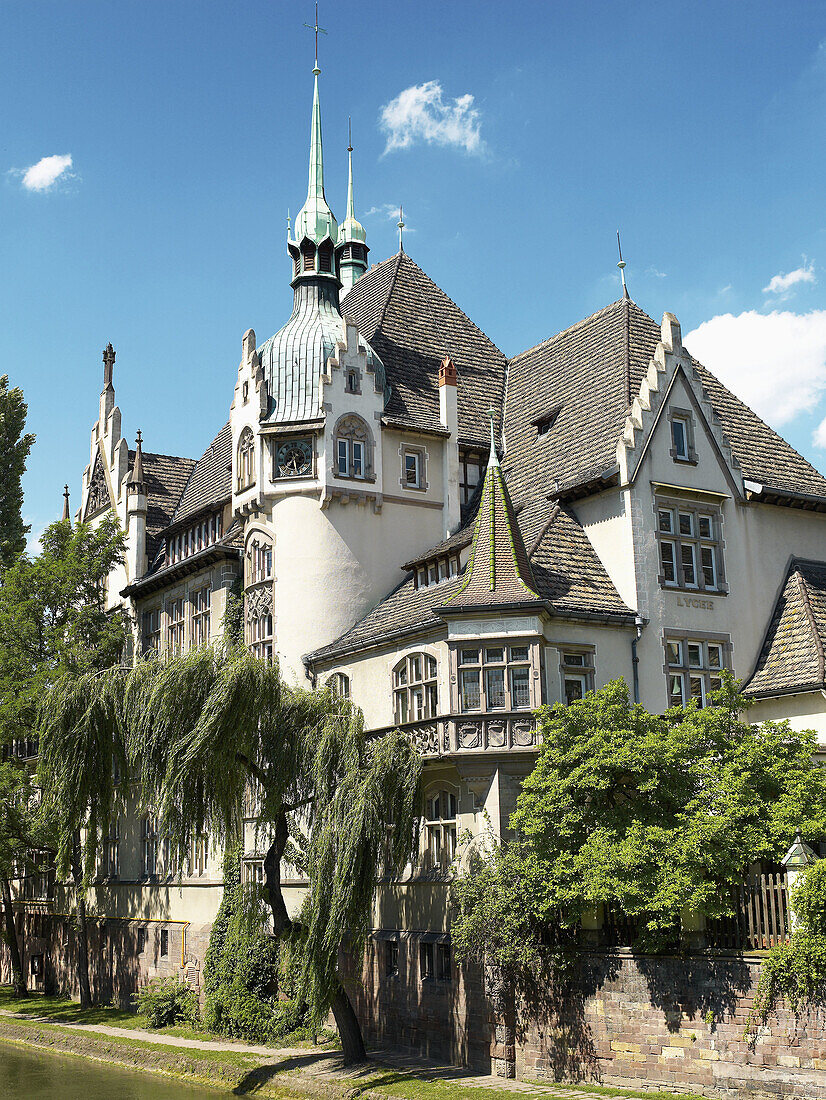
{"x":621,"y":266}
{"x":401,"y":230}
{"x":316,"y":29}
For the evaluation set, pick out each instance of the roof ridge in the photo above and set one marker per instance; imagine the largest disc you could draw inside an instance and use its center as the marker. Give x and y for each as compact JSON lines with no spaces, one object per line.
{"x":160,"y":454}
{"x":579,"y":324}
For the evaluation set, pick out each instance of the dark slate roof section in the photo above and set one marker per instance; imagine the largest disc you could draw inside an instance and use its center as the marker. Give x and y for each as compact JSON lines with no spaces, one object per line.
{"x":228,"y":547}
{"x":498,"y":572}
{"x":413,"y":325}
{"x":164,"y":477}
{"x":210,"y":482}
{"x":792,"y":657}
{"x":569,"y":576}
{"x":591,"y":373}
{"x":459,"y":541}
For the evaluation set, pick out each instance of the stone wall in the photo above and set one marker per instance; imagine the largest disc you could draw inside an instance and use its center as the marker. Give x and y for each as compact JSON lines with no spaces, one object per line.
{"x":123,"y":955}
{"x":622,"y":1020}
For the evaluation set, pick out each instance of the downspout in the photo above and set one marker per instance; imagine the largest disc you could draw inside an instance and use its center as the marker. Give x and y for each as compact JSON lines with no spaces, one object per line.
{"x":635,"y":661}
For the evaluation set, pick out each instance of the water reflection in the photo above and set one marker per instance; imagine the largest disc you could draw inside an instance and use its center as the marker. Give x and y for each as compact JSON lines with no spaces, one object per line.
{"x":29,"y":1075}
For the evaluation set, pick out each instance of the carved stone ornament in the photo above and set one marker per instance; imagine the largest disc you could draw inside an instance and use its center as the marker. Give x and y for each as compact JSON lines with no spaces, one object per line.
{"x":470,"y":735}
{"x":426,"y":739}
{"x":497,"y":989}
{"x":98,"y":497}
{"x":258,"y":602}
{"x":523,"y":733}
{"x":496,"y":734}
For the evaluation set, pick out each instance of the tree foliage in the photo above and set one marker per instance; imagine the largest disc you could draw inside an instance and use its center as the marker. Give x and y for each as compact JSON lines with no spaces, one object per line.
{"x":209,"y":728}
{"x":15,"y":445}
{"x":796,"y":971}
{"x":650,"y":814}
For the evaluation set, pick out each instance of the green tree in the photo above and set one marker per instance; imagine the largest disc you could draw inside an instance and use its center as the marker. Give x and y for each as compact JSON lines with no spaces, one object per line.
{"x":14,"y":450}
{"x":208,"y":729}
{"x":55,"y":631}
{"x":649,"y":814}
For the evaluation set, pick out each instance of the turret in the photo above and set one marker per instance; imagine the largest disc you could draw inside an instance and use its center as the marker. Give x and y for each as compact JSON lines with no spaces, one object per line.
{"x":352,"y":237}
{"x":316,"y":232}
{"x":136,"y":509}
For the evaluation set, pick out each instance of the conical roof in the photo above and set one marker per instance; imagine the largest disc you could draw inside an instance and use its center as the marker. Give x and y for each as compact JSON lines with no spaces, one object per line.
{"x":498,"y":571}
{"x":315,"y":219}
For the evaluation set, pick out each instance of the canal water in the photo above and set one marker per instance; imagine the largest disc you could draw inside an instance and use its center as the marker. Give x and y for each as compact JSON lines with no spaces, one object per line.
{"x":30,"y":1075}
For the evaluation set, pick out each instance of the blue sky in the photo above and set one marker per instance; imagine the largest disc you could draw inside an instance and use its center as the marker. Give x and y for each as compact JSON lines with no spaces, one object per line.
{"x":519,"y":138}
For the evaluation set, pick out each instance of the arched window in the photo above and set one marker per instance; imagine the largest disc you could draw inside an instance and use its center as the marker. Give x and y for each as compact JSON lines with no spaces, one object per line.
{"x":339,"y":685}
{"x":259,"y":561}
{"x":353,"y":444}
{"x":415,"y":695}
{"x":260,"y":634}
{"x":441,"y":811}
{"x":246,"y":459}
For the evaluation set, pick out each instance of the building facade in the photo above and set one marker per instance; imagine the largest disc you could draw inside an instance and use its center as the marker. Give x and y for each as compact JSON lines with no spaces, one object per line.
{"x":452,"y":538}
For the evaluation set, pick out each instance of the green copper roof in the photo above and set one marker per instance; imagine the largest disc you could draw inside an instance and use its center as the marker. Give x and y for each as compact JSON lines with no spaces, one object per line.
{"x":351,"y":229}
{"x":315,"y":218}
{"x":499,"y":571}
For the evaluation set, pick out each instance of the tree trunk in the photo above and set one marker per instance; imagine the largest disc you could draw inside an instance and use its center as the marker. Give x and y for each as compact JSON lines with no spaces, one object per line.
{"x":349,"y":1028}
{"x":18,"y":977}
{"x":82,"y":927}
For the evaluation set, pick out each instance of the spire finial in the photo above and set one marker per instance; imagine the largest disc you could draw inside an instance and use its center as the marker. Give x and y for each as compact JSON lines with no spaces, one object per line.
{"x":317,"y":30}
{"x":108,"y":365}
{"x":493,"y":461}
{"x":401,"y":229}
{"x":351,"y":206}
{"x":621,"y":266}
{"x":66,"y":502}
{"x":289,"y":223}
{"x":136,"y":477}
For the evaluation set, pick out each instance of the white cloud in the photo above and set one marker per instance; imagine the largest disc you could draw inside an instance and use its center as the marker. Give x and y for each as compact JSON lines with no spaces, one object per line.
{"x":783,"y":284}
{"x":776,"y":362}
{"x":47,"y":171}
{"x":656,"y":274}
{"x":391,"y":211}
{"x":819,"y":436}
{"x":422,"y":113}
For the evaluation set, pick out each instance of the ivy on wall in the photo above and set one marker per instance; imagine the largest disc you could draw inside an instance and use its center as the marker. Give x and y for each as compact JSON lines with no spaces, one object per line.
{"x":247,"y":991}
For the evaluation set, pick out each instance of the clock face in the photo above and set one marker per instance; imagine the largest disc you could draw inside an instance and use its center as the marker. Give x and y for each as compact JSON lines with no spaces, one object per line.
{"x":295,"y":458}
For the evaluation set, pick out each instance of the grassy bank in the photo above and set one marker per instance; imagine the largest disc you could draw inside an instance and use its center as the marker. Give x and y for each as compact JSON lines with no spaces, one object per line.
{"x":300,"y":1073}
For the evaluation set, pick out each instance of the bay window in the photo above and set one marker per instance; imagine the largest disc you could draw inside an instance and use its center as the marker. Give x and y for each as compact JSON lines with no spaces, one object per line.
{"x":494,"y":677}
{"x":415,"y":692}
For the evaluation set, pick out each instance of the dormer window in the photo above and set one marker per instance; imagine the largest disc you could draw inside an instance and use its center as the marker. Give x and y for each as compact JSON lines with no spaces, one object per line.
{"x":545,"y":422}
{"x":436,"y":571}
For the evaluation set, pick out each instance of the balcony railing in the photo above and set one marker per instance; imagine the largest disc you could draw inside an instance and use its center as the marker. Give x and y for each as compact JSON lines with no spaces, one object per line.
{"x":499,"y":731}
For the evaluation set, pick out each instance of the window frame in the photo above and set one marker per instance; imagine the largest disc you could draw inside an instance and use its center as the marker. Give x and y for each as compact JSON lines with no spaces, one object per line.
{"x":685,"y":418}
{"x":481,"y":674}
{"x":441,"y":826}
{"x":408,"y":682}
{"x":201,"y":600}
{"x":175,"y":624}
{"x":577,"y":664}
{"x":703,"y":675}
{"x":339,"y":684}
{"x":418,"y":456}
{"x":353,"y":449}
{"x":683,"y":550}
{"x":245,"y":476}
{"x":149,"y":846}
{"x":470,"y":458}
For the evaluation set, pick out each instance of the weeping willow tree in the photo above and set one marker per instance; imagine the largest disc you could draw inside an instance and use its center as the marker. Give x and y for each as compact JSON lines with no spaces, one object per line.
{"x":83,"y":750}
{"x":211,"y":728}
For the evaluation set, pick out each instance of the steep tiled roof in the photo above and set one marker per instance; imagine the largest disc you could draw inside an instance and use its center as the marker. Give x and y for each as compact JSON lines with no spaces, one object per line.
{"x":587,"y":376}
{"x":413,"y":325}
{"x":792,"y":657}
{"x":569,"y":577}
{"x":498,"y":572}
{"x":164,"y":477}
{"x":210,"y":481}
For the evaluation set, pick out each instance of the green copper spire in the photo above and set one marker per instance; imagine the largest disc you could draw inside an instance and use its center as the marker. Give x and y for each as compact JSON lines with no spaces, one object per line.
{"x":315,"y":219}
{"x":352,"y":236}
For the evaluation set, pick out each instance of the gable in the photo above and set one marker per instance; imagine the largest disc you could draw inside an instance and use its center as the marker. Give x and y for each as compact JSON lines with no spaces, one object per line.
{"x":98,"y":496}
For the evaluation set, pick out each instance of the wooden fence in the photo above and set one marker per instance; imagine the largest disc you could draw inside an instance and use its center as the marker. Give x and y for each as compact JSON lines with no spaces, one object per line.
{"x":761,"y":916}
{"x":760,"y":920}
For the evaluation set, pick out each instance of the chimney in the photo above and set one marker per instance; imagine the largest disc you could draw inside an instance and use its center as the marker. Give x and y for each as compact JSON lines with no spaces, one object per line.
{"x":449,"y":417}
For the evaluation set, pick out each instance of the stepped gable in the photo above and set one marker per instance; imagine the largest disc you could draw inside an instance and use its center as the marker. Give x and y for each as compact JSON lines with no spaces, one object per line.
{"x":570,"y":582}
{"x":165,"y":477}
{"x":413,"y":325}
{"x":210,"y":481}
{"x":584,"y":380}
{"x":498,"y":572}
{"x":792,"y":656}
